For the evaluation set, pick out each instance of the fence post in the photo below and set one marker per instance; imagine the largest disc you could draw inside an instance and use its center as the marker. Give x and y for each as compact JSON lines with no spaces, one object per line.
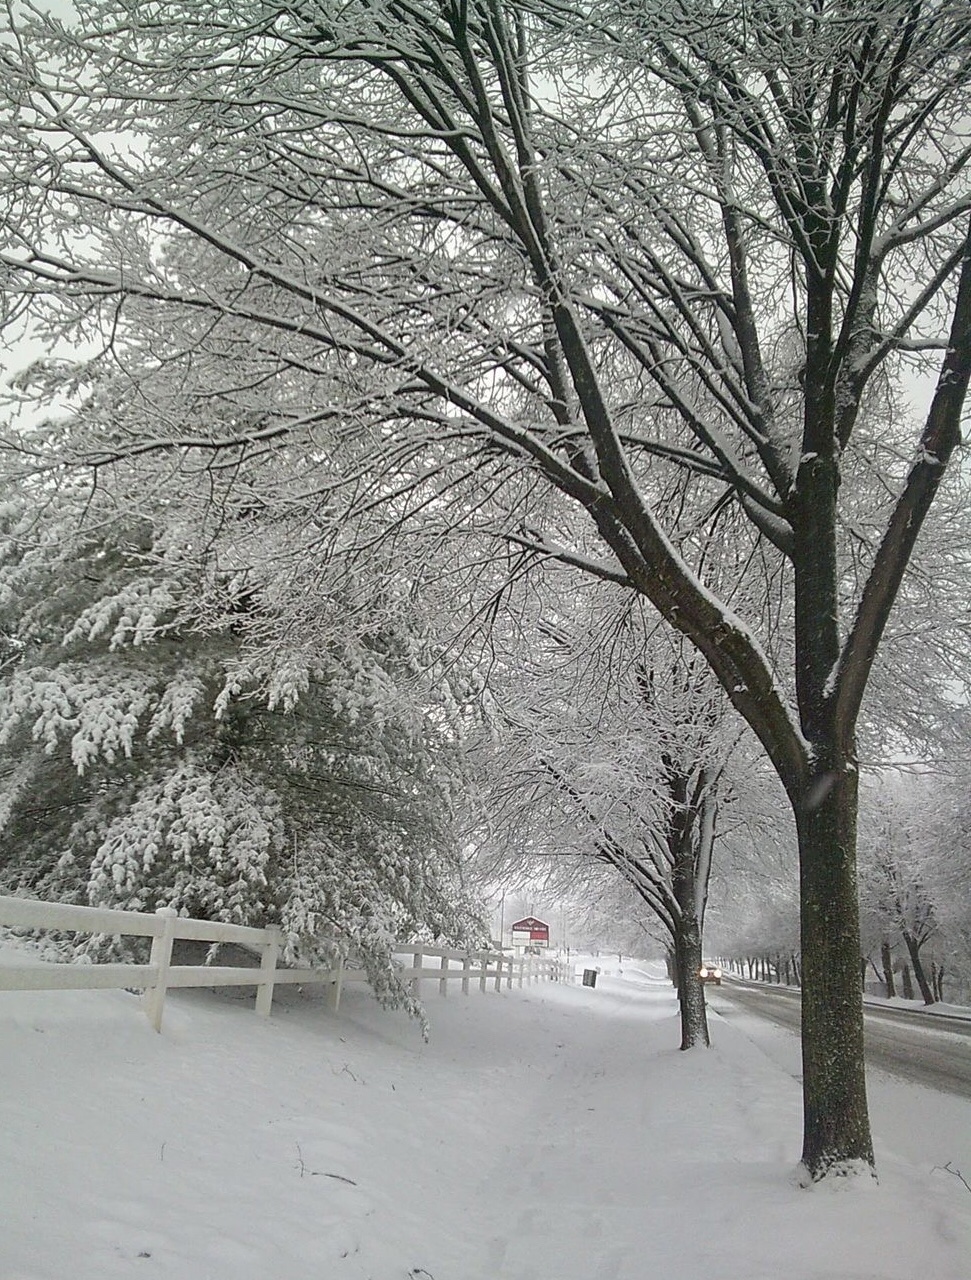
{"x":483,"y":969}
{"x":416,"y":982}
{"x":268,"y":958}
{"x":161,"y":959}
{"x":519,"y":976}
{"x":466,"y":966}
{"x":335,"y":988}
{"x":443,"y":981}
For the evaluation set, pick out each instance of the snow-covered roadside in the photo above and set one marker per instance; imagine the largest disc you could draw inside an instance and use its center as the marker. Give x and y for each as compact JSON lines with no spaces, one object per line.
{"x":939,"y":1010}
{"x":554,"y":1131}
{"x":927,"y":1128}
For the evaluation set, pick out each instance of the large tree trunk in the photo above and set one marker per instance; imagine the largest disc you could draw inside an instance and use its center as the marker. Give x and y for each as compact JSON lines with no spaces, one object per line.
{"x":691,"y":995}
{"x":836,"y":1124}
{"x":836,"y":1127}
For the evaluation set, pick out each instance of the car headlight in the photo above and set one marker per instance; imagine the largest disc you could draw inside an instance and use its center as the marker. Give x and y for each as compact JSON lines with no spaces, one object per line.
{"x":718,"y":973}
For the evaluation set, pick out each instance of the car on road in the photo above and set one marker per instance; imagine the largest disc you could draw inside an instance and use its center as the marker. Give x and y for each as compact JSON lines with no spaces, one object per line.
{"x":710,"y":973}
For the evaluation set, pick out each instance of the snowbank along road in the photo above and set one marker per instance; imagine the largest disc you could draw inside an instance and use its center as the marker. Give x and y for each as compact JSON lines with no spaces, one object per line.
{"x":932,"y":1051}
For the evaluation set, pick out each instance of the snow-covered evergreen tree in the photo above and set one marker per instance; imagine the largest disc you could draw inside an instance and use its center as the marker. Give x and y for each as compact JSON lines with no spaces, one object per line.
{"x":153,"y":755}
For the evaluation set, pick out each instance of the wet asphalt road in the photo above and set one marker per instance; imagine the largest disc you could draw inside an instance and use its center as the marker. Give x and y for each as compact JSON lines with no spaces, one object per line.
{"x":930,"y":1050}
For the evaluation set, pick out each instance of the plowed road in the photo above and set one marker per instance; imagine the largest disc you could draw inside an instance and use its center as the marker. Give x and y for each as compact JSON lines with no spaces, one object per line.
{"x":934,"y":1051}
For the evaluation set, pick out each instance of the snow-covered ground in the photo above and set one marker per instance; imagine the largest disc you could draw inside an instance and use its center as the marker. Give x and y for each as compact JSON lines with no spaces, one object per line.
{"x":552,"y":1132}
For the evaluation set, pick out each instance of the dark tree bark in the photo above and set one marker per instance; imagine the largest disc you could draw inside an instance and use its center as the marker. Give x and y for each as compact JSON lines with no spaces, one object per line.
{"x":834,"y":1093}
{"x":913,"y":950}
{"x":886,"y":962}
{"x":691,"y":992}
{"x":690,"y":837}
{"x":906,"y":983}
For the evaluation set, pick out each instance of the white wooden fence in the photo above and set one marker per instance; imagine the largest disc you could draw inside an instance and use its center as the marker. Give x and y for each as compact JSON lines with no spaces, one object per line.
{"x":160,"y":974}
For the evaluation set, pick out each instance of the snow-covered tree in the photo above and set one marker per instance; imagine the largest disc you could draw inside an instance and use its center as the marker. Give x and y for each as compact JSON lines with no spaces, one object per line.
{"x":950,"y":882}
{"x":152,"y":757}
{"x":581,"y":247}
{"x":648,"y":810}
{"x":913,"y":881}
{"x":605,"y":743}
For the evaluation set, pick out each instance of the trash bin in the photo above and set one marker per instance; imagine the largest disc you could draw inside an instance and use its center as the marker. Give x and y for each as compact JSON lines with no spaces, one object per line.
{"x":589,"y":977}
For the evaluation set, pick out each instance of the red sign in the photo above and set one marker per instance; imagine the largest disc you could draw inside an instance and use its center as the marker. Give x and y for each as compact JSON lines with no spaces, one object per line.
{"x":536,"y":930}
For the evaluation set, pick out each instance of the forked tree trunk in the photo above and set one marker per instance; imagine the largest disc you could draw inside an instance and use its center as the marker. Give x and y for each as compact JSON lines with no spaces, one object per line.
{"x":836,"y":1124}
{"x":913,"y":950}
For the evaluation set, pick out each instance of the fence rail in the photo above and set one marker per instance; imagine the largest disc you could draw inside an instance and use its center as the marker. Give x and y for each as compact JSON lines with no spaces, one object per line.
{"x":160,"y":975}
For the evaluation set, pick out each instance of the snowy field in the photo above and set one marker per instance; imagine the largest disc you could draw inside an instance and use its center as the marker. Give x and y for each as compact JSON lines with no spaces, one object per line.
{"x":553,"y":1132}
